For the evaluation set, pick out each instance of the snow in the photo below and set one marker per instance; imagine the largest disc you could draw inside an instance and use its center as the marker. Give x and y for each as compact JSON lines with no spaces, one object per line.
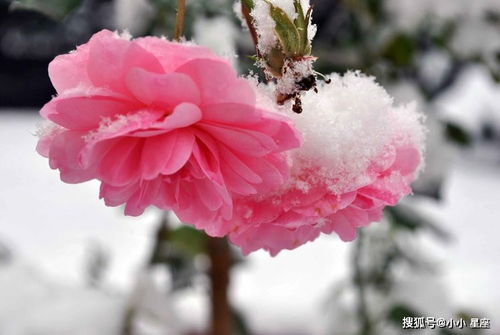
{"x":264,"y":26}
{"x":32,"y":304}
{"x":347,"y":124}
{"x":296,"y":70}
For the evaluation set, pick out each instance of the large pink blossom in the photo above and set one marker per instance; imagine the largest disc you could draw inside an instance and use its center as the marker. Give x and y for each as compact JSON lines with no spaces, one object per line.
{"x":164,"y":124}
{"x":360,"y":154}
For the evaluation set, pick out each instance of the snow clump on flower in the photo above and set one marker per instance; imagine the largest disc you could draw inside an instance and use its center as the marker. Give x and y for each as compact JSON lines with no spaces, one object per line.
{"x":360,"y":154}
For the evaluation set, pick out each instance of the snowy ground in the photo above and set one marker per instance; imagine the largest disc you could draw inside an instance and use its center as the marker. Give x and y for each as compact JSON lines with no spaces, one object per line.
{"x":50,"y":225}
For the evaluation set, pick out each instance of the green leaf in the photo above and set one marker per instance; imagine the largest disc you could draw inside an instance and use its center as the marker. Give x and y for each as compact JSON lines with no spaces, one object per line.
{"x":405,"y":217}
{"x":458,"y":135}
{"x":301,"y":25}
{"x":275,"y":61}
{"x":400,"y":50}
{"x":307,"y":48}
{"x":400,"y":311}
{"x":240,"y":324}
{"x":188,"y":240}
{"x":287,"y":32}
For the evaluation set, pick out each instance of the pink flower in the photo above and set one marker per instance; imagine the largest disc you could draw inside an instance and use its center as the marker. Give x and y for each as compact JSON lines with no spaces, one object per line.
{"x":296,"y":215}
{"x":360,"y":154}
{"x":164,"y":124}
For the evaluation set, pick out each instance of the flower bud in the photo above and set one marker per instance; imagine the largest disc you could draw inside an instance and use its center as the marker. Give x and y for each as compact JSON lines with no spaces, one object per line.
{"x":284,"y":33}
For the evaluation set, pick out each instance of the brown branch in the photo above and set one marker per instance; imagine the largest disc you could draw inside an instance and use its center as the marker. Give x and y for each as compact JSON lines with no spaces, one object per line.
{"x":179,"y":19}
{"x":248,"y":18}
{"x":220,"y":266}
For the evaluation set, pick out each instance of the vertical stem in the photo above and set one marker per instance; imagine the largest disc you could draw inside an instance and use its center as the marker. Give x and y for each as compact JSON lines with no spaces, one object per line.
{"x":220,"y":266}
{"x":248,"y":18}
{"x":359,"y":280}
{"x":162,"y":235}
{"x":179,"y":19}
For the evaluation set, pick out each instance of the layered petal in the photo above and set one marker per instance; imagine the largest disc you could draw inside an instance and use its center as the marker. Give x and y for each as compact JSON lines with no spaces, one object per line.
{"x":162,"y":90}
{"x":111,"y":58}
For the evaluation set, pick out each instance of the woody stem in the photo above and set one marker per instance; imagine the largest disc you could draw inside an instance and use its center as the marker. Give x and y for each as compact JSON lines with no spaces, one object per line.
{"x":220,"y":266}
{"x":179,"y":19}
{"x":248,"y":18}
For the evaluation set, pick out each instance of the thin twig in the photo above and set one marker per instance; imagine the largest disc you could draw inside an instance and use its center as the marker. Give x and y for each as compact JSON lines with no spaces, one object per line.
{"x":248,"y":18}
{"x":179,"y":19}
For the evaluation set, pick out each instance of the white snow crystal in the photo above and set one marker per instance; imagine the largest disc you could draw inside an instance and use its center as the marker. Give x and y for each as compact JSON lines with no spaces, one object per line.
{"x":47,"y":128}
{"x":264,"y":25}
{"x":296,"y":70}
{"x":346,"y":126}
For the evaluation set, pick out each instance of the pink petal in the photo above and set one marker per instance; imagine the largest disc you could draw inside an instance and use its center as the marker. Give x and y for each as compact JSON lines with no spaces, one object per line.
{"x":210,"y":194}
{"x":388,"y":190}
{"x":184,"y":115}
{"x":218,"y":82}
{"x":208,"y":162}
{"x":363,"y":202}
{"x":166,"y":195}
{"x":125,"y":126}
{"x":407,"y":161}
{"x":111,"y":58}
{"x":327,"y":205}
{"x":238,"y":166}
{"x":64,"y":155}
{"x":156,"y":153}
{"x":340,"y":224}
{"x":45,"y":141}
{"x":162,"y":90}
{"x":249,"y":142}
{"x":273,"y":171}
{"x":85,"y":112}
{"x":181,"y":153}
{"x":120,"y":166}
{"x":272,"y":238}
{"x":174,"y":54}
{"x":70,"y":70}
{"x":357,"y":217}
{"x":142,"y":197}
{"x":117,"y":195}
{"x":231,"y":113}
{"x":235,"y":183}
{"x":280,"y":129}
